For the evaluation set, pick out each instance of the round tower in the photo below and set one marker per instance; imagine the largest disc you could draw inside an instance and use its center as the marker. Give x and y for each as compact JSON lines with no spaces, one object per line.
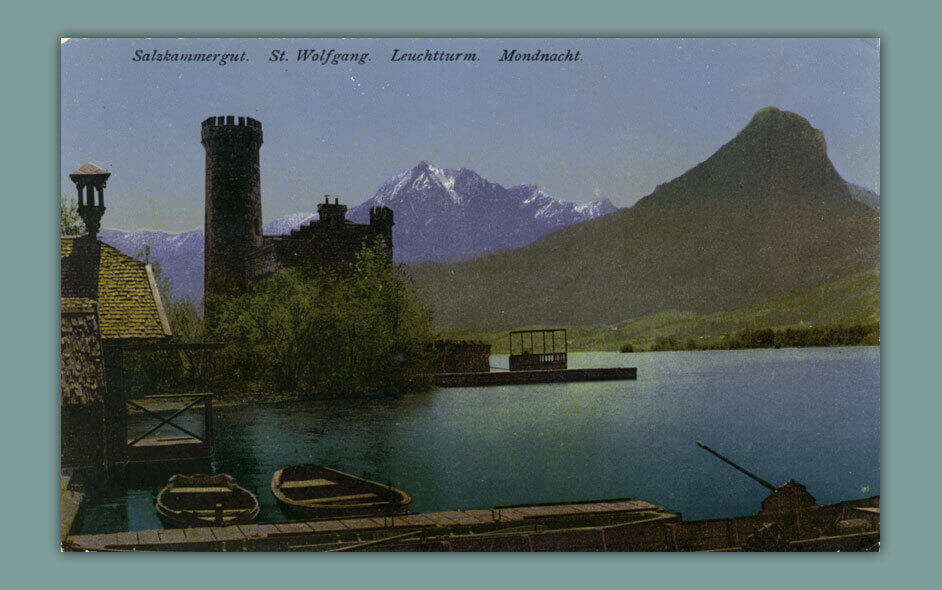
{"x":233,"y":227}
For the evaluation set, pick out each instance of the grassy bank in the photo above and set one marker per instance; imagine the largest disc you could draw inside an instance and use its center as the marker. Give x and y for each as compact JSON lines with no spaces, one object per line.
{"x":851,"y":301}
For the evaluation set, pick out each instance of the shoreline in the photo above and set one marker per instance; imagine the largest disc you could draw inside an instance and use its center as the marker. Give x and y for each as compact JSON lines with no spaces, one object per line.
{"x":708,"y":349}
{"x":233,"y":399}
{"x":230,"y":400}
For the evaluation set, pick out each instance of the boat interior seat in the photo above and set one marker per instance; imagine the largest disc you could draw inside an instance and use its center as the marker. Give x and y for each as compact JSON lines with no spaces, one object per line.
{"x":307,"y":483}
{"x":339,"y":498}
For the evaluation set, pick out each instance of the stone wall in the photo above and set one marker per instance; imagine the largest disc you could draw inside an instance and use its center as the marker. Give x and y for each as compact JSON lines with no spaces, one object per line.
{"x":82,"y":369}
{"x":82,"y":382}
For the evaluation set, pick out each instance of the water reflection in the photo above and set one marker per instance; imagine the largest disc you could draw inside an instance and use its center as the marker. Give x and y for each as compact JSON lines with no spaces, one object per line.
{"x":812,"y":415}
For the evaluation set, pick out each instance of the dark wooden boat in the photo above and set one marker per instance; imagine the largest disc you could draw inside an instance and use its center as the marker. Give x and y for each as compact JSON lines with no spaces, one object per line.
{"x":205,"y":500}
{"x":315,"y":491}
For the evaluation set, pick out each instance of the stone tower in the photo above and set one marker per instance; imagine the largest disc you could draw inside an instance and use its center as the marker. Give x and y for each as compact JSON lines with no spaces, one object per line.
{"x":233,"y":226}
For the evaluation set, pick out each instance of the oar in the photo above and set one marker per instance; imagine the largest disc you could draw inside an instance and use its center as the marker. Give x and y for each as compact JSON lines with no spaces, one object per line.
{"x":725,"y":460}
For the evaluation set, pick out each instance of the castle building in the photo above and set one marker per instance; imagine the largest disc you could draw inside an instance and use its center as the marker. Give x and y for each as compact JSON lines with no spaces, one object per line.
{"x":236,"y":252}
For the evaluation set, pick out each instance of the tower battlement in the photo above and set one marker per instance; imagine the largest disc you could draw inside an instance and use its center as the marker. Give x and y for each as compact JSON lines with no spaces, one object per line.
{"x":232,"y":128}
{"x":231,"y":121}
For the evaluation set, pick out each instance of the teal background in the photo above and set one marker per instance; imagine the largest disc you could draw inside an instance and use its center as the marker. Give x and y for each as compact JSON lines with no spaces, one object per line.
{"x":911,"y":211}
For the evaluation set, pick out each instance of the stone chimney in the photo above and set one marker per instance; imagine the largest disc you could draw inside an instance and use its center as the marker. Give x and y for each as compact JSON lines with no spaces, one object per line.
{"x":90,"y":179}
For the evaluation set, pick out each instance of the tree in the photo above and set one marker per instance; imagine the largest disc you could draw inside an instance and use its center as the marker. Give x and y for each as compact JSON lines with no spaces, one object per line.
{"x":351,"y":331}
{"x":70,"y":224}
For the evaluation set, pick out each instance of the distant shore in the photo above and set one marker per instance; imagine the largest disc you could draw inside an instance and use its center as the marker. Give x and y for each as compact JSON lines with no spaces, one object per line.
{"x":747,"y":339}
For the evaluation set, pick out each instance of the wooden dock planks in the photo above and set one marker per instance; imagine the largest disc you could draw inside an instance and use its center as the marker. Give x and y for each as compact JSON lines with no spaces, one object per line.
{"x":612,"y":525}
{"x":324,"y":526}
{"x":364,"y":524}
{"x":293,"y":528}
{"x":128,"y":538}
{"x":199,"y":534}
{"x":258,"y":530}
{"x":148,"y":537}
{"x":206,"y":538}
{"x":228,"y":533}
{"x":171,"y":535}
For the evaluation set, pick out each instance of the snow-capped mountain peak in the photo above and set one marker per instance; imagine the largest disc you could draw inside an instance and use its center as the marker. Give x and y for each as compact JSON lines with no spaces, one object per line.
{"x":425,"y":180}
{"x":449,"y":213}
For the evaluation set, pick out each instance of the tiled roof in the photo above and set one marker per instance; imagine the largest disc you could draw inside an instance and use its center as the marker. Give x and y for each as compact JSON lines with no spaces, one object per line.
{"x":77,"y":304}
{"x":90,"y":168}
{"x":129,"y":305}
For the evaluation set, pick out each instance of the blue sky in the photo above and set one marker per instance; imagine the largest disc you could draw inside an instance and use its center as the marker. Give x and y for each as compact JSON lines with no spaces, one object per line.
{"x":632,"y":114}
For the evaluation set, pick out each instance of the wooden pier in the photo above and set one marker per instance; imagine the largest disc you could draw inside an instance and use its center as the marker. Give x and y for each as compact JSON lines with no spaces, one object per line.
{"x":379,"y":532}
{"x":610,"y":525}
{"x":525,"y":377}
{"x":536,"y":356}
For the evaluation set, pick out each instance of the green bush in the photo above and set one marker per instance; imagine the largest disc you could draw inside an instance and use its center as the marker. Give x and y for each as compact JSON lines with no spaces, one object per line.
{"x":70,"y":224}
{"x":334,"y":333}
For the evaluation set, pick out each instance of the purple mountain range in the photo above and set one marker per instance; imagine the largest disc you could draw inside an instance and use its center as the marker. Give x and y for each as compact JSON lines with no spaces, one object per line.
{"x":440,"y":214}
{"x":453,"y":214}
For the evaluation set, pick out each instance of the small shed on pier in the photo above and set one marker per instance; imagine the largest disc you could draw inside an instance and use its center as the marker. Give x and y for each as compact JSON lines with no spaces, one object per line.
{"x":538,"y":350}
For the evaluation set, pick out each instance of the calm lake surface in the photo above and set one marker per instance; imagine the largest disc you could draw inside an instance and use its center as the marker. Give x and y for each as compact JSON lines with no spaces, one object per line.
{"x":812,"y":415}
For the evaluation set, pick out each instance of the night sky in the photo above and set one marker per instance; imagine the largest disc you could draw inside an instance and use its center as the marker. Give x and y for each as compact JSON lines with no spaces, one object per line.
{"x":631,"y":114}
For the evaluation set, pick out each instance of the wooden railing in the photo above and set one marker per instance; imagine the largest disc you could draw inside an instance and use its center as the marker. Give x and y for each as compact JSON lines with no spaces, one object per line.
{"x":537,"y":362}
{"x":190,"y":400}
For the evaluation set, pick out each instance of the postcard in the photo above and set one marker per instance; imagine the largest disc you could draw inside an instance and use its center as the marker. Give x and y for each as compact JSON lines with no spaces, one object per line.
{"x":470,"y":294}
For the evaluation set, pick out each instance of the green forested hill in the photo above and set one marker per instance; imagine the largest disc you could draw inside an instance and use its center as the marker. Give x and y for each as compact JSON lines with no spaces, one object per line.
{"x":765,"y":216}
{"x":851,"y":300}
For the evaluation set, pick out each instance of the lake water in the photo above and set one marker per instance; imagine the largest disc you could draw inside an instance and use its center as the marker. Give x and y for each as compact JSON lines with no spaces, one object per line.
{"x":812,"y":415}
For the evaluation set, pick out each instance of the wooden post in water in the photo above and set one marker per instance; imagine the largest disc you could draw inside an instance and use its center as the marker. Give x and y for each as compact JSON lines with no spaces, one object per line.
{"x":115,"y":408}
{"x":208,"y":424}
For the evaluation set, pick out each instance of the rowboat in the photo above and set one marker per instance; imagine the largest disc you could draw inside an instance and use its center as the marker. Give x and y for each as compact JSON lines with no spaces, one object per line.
{"x":315,"y":491}
{"x":205,"y":500}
